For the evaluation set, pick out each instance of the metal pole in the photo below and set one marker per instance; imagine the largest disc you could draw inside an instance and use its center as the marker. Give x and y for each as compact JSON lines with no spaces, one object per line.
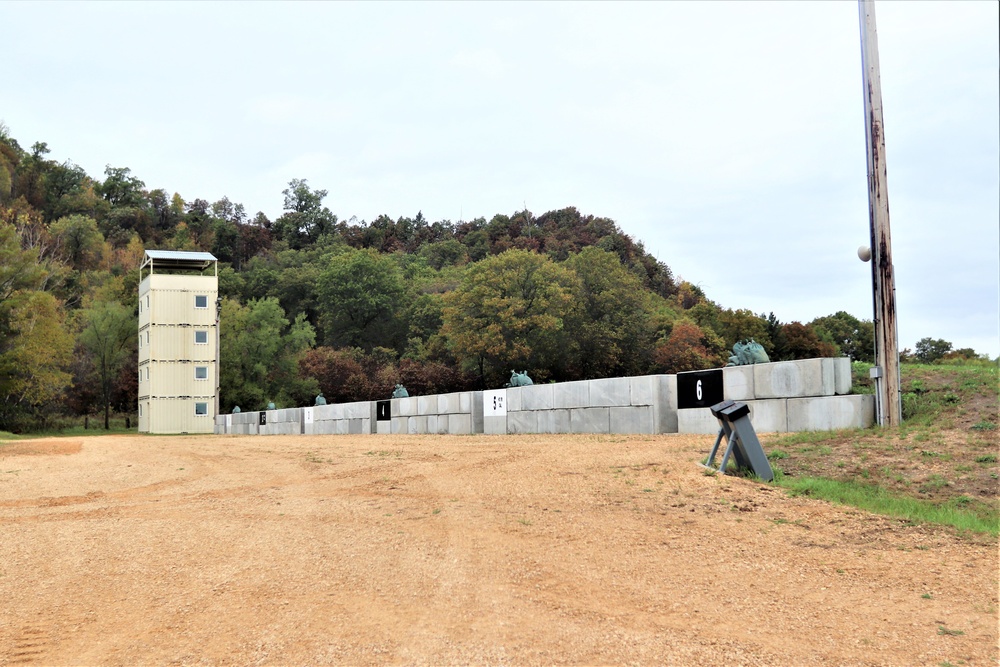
{"x":884,"y":285}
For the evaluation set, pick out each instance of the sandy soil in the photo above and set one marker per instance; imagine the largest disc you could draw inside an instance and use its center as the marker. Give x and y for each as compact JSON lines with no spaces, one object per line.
{"x":461,"y":550}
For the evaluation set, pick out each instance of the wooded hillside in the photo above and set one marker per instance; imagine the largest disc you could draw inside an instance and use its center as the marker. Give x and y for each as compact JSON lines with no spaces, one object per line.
{"x":313,"y":303}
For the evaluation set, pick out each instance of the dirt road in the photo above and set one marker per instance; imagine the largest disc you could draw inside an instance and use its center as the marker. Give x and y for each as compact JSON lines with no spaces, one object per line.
{"x":436,"y":550}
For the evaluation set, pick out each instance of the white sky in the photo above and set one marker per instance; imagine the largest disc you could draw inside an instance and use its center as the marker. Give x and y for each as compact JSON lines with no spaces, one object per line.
{"x":727,"y":137}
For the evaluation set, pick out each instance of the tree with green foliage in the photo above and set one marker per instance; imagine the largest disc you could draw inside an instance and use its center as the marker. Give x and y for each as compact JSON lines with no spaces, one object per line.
{"x":80,"y":242}
{"x":361,"y":298}
{"x":735,"y":326}
{"x":508,"y":313}
{"x":929,"y":350}
{"x":305,"y":219}
{"x":853,"y":337}
{"x":108,"y":334}
{"x":35,"y":350}
{"x":260,"y":356}
{"x":609,"y":332}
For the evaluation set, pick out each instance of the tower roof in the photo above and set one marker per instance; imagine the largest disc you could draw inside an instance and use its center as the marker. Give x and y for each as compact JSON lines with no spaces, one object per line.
{"x":178,"y":259}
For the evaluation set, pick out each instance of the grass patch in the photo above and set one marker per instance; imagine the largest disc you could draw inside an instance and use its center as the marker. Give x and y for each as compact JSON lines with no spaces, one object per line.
{"x":74,"y":430}
{"x":961,"y":515}
{"x":381,"y":453}
{"x":945,"y":631}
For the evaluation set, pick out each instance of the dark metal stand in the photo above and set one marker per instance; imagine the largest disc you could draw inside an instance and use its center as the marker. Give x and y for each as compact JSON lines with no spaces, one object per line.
{"x":741,"y":441}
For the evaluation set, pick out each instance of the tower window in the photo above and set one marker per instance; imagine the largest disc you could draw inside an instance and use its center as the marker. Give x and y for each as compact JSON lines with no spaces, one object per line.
{"x":201,"y":372}
{"x":200,"y":409}
{"x":201,"y":301}
{"x":201,"y":337}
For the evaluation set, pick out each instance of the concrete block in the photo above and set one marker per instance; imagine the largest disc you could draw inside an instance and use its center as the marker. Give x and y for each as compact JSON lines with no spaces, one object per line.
{"x":398,"y":424}
{"x":642,"y":390}
{"x":495,"y":425}
{"x":383,"y":428}
{"x":737,"y":383}
{"x":325,"y":412}
{"x":359,"y":410}
{"x":431,"y":423}
{"x":418,"y":424}
{"x":842,"y":379}
{"x":827,"y":413}
{"x":632,"y":419}
{"x":427,"y":405}
{"x":665,"y":403}
{"x":404,"y":407}
{"x":443,"y":422}
{"x":610,"y":391}
{"x":794,"y":379}
{"x":590,"y":420}
{"x":460,"y":424}
{"x":523,"y":421}
{"x":514,"y":399}
{"x":476,"y":402}
{"x":769,"y":415}
{"x":537,"y":397}
{"x":449,"y":403}
{"x":571,"y":394}
{"x":553,"y":421}
{"x":466,"y":402}
{"x":697,"y":420}
{"x":355,"y":426}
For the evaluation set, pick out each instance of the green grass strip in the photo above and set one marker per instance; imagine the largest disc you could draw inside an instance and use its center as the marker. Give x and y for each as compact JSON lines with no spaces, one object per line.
{"x":877,"y":500}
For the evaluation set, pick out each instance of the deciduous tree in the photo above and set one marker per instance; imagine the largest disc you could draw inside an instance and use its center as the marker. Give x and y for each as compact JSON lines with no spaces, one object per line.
{"x":509,"y":313}
{"x":260,"y":356}
{"x":609,"y":332}
{"x":108,"y":333}
{"x":361,"y":298}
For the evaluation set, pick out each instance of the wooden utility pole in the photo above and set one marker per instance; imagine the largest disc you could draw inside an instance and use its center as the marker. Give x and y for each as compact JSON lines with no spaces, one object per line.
{"x":888,"y":408}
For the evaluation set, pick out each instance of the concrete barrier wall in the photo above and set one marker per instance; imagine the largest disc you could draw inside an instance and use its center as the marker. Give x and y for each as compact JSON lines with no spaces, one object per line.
{"x":646,"y":404}
{"x":784,"y":396}
{"x":803,"y":395}
{"x":459,"y":413}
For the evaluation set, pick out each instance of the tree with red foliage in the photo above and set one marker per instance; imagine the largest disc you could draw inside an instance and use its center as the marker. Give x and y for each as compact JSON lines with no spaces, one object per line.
{"x":802,"y":342}
{"x":689,"y":348}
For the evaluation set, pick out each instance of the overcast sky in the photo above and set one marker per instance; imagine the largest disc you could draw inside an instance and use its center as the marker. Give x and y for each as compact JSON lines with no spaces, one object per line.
{"x":727,"y":137}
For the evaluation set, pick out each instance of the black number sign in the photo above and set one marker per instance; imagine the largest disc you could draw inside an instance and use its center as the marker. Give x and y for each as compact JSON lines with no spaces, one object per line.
{"x":699,"y":389}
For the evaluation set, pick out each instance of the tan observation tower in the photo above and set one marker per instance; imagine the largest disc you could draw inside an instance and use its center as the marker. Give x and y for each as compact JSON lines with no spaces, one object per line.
{"x":178,"y":342}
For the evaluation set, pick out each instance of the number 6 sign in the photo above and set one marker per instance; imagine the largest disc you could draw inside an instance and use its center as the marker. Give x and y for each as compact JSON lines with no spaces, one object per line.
{"x":699,"y":389}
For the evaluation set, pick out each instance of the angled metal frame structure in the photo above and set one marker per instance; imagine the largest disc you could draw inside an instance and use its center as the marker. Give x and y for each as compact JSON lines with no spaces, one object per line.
{"x":742,"y":443}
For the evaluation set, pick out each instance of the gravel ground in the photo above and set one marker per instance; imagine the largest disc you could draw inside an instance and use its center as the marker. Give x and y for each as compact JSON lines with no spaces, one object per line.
{"x":441,"y":550}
